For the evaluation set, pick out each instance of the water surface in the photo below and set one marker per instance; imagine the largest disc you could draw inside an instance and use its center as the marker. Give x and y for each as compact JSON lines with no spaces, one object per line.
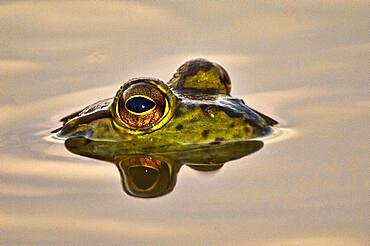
{"x":305,"y":64}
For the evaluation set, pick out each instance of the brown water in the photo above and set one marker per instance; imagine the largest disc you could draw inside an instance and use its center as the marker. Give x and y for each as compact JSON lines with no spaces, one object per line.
{"x":305,"y":64}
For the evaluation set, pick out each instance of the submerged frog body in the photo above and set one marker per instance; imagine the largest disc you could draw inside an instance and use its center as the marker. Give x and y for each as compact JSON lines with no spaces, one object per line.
{"x":194,"y":108}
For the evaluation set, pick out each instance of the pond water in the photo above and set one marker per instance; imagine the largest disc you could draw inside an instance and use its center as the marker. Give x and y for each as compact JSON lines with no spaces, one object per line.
{"x":303,"y":63}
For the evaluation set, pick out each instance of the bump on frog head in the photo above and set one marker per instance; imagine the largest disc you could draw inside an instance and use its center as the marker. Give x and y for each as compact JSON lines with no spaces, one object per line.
{"x":201,"y":76}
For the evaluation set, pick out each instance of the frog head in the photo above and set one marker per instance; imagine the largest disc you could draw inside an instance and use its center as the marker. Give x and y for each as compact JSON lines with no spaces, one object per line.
{"x":194,"y":108}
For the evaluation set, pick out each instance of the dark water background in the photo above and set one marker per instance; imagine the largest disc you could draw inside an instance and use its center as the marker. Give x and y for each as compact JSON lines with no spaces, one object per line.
{"x":304,"y":63}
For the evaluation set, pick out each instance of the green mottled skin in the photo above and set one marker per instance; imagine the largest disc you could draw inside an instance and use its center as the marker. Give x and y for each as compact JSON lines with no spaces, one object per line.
{"x":203,"y":112}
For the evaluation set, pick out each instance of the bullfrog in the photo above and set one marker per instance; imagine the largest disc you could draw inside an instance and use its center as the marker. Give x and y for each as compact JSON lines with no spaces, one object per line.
{"x":194,"y":108}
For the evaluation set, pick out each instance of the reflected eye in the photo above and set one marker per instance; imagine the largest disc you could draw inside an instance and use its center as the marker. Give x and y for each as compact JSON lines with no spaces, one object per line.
{"x":144,"y":177}
{"x":139,"y":104}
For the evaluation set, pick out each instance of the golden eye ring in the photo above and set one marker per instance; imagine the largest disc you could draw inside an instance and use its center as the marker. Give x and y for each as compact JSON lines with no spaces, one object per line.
{"x":161,"y":106}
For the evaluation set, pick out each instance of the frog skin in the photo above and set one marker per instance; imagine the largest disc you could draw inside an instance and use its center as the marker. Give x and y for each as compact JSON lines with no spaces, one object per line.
{"x":193,"y":109}
{"x":152,"y":175}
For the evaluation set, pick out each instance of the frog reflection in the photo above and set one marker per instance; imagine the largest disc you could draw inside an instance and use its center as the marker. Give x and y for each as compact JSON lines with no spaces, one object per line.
{"x":148,"y":175}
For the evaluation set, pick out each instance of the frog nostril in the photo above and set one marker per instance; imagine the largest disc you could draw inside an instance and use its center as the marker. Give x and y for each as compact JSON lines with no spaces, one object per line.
{"x":209,"y":110}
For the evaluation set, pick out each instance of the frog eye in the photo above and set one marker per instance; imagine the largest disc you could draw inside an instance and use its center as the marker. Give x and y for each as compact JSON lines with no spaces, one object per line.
{"x":141,"y":105}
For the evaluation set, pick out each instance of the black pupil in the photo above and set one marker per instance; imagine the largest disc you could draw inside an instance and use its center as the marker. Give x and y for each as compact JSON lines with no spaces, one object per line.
{"x":143,"y":177}
{"x":139,"y":104}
